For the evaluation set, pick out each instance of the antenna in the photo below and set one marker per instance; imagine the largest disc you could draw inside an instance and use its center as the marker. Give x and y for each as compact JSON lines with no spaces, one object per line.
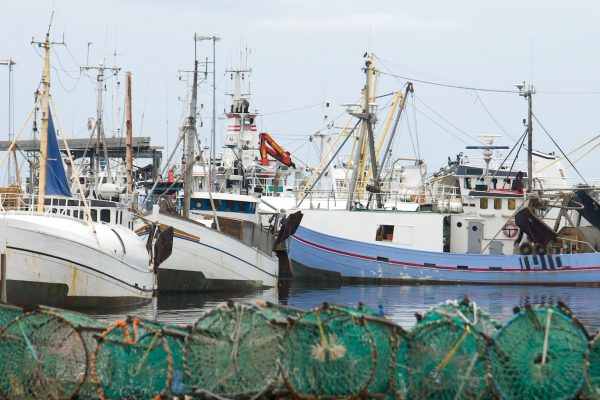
{"x":532,"y":61}
{"x":87,"y":58}
{"x":50,"y":24}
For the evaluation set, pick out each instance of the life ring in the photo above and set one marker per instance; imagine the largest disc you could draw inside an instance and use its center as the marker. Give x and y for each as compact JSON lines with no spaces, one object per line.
{"x":510,"y":230}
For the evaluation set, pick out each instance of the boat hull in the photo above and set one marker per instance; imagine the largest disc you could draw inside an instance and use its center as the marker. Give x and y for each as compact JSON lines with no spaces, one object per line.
{"x":204,"y":260}
{"x":319,"y":256}
{"x":60,"y":265}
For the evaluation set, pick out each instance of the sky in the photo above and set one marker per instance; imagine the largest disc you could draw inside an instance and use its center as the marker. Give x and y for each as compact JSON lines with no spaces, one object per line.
{"x":306,"y":54}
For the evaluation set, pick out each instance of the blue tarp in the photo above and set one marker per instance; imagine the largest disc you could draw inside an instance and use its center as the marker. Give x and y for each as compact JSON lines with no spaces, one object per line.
{"x":56,"y":179}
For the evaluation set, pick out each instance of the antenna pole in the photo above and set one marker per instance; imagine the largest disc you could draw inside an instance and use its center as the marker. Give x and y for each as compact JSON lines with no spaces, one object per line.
{"x":101,"y":140}
{"x":527,"y":91}
{"x":529,"y":144}
{"x":129,"y":133}
{"x":214,"y":112}
{"x":213,"y":144}
{"x":11,"y":118}
{"x":190,"y":135}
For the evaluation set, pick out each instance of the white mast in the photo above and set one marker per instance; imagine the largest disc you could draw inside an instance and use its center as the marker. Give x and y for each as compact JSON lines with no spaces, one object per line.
{"x":99,"y":126}
{"x":10,"y":63}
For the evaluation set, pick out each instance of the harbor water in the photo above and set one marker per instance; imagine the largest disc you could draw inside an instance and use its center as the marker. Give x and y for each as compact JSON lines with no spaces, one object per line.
{"x":398,"y":302}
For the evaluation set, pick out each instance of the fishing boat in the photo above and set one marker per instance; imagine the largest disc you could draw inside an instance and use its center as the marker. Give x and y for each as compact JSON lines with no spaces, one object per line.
{"x":220,"y":255}
{"x":499,"y":226}
{"x":56,"y":257}
{"x":250,"y":172}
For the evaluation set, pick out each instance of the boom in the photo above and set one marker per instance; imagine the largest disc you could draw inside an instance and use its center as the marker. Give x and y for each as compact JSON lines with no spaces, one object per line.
{"x":268,"y":145}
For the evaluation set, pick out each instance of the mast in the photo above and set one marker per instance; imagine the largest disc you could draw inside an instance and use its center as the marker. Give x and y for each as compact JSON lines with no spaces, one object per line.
{"x":366,"y":133}
{"x":10,"y":62}
{"x":527,"y":91}
{"x":214,"y":113}
{"x":529,"y":143}
{"x":46,"y":45}
{"x":190,"y":136}
{"x":129,"y":134}
{"x":99,"y":126}
{"x":213,"y":144}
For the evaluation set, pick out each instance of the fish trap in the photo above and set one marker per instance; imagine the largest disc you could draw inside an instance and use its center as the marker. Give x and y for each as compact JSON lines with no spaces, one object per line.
{"x":447,"y":358}
{"x":8,"y":313}
{"x":87,"y":328}
{"x":132,"y":360}
{"x":328,"y":353}
{"x":232,"y":352}
{"x":591,"y":388}
{"x":174,"y":337}
{"x":43,"y":357}
{"x":463,"y":311}
{"x":540,"y":354}
{"x":278,"y":314}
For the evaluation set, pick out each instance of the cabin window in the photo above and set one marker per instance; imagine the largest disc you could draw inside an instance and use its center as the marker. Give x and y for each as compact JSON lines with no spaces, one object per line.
{"x":497,"y":204}
{"x":512,"y":204}
{"x":105,"y":216}
{"x":385,"y":233}
{"x":483,"y":203}
{"x":467,"y":183}
{"x":94,"y":214}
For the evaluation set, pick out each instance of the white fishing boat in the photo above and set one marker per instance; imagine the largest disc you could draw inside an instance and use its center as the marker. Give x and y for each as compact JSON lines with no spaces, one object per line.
{"x":477,"y":239}
{"x":220,"y":256}
{"x":57,"y":257}
{"x":205,"y":259}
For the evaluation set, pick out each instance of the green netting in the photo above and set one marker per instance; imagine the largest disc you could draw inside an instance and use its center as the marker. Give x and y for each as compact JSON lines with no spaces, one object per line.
{"x":539,"y":354}
{"x":175,"y":339}
{"x":591,"y":389}
{"x":447,"y":359}
{"x":400,"y":373}
{"x":233,"y":351}
{"x":328,"y":353}
{"x":278,"y":313}
{"x":132,"y":360}
{"x":463,"y":311}
{"x":87,"y":327}
{"x":8,"y":313}
{"x":390,"y":339}
{"x":78,"y":320}
{"x":43,"y":356}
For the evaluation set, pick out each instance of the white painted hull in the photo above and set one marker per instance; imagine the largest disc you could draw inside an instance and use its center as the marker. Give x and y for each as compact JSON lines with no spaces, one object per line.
{"x":61,"y":256}
{"x":218,"y":261}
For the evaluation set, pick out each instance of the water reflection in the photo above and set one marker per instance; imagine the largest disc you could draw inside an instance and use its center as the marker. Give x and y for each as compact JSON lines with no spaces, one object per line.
{"x":399,"y":303}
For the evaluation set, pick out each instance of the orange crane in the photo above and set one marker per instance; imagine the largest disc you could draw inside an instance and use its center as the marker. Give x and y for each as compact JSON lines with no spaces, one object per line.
{"x":268,"y":145}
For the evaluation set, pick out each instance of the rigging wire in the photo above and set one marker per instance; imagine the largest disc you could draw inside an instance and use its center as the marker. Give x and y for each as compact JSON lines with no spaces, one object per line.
{"x":295,"y":109}
{"x":58,"y":74}
{"x":448,"y":122}
{"x":441,"y":126}
{"x":447,"y":85}
{"x":63,"y":67}
{"x":480,"y":101}
{"x":556,"y":144}
{"x":520,"y":146}
{"x":418,"y":155}
{"x":410,"y":135}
